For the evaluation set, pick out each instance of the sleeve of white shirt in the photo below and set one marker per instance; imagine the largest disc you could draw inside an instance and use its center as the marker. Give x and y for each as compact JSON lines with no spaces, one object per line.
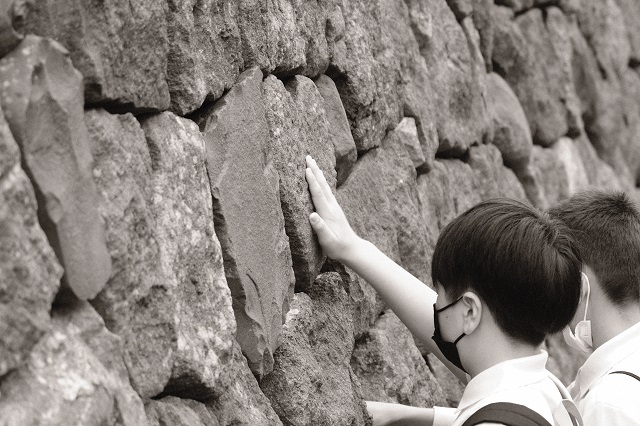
{"x":443,"y":416}
{"x":599,"y":414}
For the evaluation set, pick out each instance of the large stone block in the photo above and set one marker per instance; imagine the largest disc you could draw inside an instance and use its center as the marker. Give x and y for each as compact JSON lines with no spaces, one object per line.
{"x":29,"y":272}
{"x":75,"y":375}
{"x":137,"y":302}
{"x":248,"y":217}
{"x":204,"y":55}
{"x":338,"y":128}
{"x":42,"y":100}
{"x":391,"y":369}
{"x":493,"y":179}
{"x":312,"y":381}
{"x":181,"y":204}
{"x":119,"y":46}
{"x":243,"y":403}
{"x":558,"y":172}
{"x":457,"y":72}
{"x":533,"y":55}
{"x":168,"y":297}
{"x":10,"y":31}
{"x":286,"y":36}
{"x":510,"y":129}
{"x":298,"y":127}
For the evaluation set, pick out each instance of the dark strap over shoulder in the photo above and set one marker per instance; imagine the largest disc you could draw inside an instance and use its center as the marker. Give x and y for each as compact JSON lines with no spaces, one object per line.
{"x":626,"y":373}
{"x":508,"y":414}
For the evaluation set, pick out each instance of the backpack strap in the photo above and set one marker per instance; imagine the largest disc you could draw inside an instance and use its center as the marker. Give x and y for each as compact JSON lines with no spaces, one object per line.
{"x":626,"y":373}
{"x":507,"y":413}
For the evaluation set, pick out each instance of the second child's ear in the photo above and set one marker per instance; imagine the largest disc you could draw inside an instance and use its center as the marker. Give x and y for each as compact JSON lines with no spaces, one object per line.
{"x":472,"y":312}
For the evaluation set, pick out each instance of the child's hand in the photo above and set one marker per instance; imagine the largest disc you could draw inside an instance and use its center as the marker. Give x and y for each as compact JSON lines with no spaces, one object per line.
{"x":335,"y":235}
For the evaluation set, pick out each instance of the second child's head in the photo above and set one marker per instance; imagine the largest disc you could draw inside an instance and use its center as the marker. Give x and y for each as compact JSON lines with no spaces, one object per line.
{"x":513,"y":273}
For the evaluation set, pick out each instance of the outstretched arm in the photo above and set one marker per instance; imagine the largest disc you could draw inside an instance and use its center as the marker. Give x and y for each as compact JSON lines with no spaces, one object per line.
{"x":408,"y":297}
{"x":389,"y":414}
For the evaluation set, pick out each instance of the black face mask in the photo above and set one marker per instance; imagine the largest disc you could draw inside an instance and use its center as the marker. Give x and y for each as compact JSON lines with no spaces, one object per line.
{"x":448,"y":349}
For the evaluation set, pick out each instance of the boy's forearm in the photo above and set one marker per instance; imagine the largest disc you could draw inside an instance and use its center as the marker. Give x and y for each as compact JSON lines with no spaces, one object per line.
{"x":408,"y":297}
{"x":391,"y":414}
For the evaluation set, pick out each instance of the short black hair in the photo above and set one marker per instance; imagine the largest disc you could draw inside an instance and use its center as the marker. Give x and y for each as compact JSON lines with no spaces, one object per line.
{"x":606,"y":228}
{"x":521,"y":263}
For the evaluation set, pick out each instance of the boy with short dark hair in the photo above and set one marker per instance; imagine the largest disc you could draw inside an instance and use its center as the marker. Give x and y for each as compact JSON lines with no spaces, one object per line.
{"x":506,"y":277}
{"x":606,"y":229}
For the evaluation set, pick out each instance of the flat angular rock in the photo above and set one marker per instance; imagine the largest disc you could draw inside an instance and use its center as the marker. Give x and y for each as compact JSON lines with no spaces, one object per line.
{"x":43,"y":103}
{"x":243,"y":403}
{"x":511,"y":132}
{"x":248,"y":217}
{"x":10,"y":33}
{"x":493,"y":178}
{"x":168,"y":297}
{"x":74,"y":375}
{"x":120,"y":47}
{"x":447,"y":191}
{"x":338,"y":127}
{"x":181,"y":205}
{"x":179,"y":412}
{"x":371,"y":85}
{"x":286,"y":37}
{"x":558,"y":172}
{"x":408,"y":133}
{"x":137,"y":301}
{"x":312,"y":381}
{"x":29,"y":272}
{"x":533,"y":57}
{"x":298,"y":127}
{"x":456,"y":70}
{"x":391,"y":369}
{"x":204,"y":56}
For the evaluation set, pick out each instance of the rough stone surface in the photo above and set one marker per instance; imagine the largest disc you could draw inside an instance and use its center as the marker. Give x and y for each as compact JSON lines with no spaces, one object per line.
{"x":530,"y":53}
{"x":181,"y":204}
{"x":75,"y":375}
{"x":137,"y":301}
{"x":451,"y":386}
{"x":43,"y":106}
{"x":298,"y":127}
{"x":511,"y":132}
{"x":456,"y":70}
{"x":408,"y":133}
{"x":179,"y":412}
{"x":120,"y":47}
{"x":29,"y":272}
{"x":243,"y":403}
{"x":10,"y":33}
{"x":391,"y":369}
{"x":312,"y":381}
{"x":558,"y":172}
{"x":338,"y":128}
{"x":241,"y":174}
{"x":168,"y":297}
{"x":204,"y":56}
{"x":493,"y":179}
{"x":631,"y":14}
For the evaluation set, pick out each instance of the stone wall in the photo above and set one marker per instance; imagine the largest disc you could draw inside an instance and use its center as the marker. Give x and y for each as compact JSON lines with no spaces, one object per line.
{"x":156,"y":262}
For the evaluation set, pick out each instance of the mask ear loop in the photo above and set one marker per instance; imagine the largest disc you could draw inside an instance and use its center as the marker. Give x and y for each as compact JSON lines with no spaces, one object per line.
{"x":585,"y":279}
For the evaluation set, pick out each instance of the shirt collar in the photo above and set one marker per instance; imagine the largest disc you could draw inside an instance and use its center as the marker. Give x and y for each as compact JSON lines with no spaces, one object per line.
{"x":603,"y":359}
{"x":508,"y":374}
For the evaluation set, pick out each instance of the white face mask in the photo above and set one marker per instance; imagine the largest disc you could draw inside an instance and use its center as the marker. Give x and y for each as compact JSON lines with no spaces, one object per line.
{"x":582,"y":339}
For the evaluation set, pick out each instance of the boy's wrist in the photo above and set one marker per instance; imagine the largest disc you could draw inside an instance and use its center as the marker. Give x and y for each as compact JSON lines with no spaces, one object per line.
{"x":354,"y":251}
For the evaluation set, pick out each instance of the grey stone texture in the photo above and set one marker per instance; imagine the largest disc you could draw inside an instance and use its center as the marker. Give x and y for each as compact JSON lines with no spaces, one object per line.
{"x":154,"y":211}
{"x":312,"y":381}
{"x":29,"y":272}
{"x":241,"y":175}
{"x":42,"y":102}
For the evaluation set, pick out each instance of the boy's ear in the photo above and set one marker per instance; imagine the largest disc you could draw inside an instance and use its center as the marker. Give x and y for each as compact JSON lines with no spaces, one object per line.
{"x":472,"y":312}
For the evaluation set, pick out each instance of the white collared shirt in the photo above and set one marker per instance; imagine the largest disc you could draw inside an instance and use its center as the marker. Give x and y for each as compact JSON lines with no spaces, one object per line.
{"x":610,"y":399}
{"x":523,"y":381}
